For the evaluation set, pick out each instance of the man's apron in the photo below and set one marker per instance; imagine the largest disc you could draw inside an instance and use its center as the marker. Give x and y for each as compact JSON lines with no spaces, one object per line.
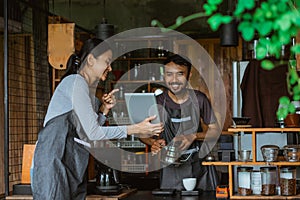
{"x":183,"y":120}
{"x":177,"y":122}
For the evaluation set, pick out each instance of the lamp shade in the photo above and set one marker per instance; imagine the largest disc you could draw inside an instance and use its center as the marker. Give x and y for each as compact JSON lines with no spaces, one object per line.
{"x":229,"y":34}
{"x":104,"y":30}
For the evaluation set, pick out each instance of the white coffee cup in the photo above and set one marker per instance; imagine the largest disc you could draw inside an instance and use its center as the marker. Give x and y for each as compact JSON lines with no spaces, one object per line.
{"x":189,"y":183}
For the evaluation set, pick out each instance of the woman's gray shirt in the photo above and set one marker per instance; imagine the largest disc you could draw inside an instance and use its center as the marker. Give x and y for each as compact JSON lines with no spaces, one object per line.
{"x":73,"y":93}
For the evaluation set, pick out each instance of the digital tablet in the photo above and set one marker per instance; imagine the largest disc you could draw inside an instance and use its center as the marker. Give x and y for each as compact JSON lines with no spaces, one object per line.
{"x":141,"y":106}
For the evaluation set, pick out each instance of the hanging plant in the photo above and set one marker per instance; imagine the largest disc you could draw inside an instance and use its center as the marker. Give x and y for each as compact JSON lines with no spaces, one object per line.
{"x":273,"y":23}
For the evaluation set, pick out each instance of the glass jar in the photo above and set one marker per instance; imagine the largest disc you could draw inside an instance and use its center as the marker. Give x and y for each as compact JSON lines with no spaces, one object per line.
{"x":268,"y":180}
{"x":244,"y":180}
{"x":288,"y":181}
{"x":256,"y":182}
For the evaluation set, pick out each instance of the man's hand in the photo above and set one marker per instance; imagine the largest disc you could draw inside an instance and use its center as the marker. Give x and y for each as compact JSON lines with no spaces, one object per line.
{"x":157,"y":145}
{"x":185,"y":140}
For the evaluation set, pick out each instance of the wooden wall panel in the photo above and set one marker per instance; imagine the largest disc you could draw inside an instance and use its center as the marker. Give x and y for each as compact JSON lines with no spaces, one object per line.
{"x":23,"y":125}
{"x":2,"y":183}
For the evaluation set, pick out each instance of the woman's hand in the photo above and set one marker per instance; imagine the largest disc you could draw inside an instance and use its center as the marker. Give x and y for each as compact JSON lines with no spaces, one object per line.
{"x":108,"y":101}
{"x":145,"y":128}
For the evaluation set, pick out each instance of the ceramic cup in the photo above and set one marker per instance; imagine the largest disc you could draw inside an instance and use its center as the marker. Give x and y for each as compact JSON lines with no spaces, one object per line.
{"x":189,"y":183}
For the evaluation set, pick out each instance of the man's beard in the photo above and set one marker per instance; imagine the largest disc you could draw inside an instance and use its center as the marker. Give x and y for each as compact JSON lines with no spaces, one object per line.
{"x":180,"y":92}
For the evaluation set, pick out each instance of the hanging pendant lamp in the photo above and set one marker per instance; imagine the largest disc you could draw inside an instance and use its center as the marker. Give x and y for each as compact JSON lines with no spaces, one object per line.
{"x":104,"y":30}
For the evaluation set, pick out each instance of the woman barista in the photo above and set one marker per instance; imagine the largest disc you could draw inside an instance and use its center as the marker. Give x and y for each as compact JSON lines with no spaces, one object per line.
{"x":60,"y":158}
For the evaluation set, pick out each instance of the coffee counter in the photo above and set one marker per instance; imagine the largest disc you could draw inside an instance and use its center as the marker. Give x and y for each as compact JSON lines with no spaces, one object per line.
{"x":134,"y":195}
{"x":147,"y":195}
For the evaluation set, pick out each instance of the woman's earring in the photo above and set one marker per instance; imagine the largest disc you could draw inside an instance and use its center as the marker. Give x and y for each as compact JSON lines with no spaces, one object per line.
{"x":77,"y":62}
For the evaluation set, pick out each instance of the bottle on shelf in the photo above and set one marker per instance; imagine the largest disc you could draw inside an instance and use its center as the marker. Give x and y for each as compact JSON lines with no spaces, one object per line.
{"x":268,"y":180}
{"x":244,"y":180}
{"x":256,"y":182}
{"x":135,"y":72}
{"x":121,"y":92}
{"x":288,"y":181}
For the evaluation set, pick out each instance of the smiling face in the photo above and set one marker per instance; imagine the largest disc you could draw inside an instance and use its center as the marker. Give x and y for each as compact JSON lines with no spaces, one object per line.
{"x":176,"y":77}
{"x":102,"y":65}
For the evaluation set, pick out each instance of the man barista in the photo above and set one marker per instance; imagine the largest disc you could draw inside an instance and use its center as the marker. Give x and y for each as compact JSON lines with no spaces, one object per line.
{"x":182,"y":110}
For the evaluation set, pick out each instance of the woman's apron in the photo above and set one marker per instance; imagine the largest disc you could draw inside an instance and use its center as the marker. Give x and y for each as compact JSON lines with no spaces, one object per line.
{"x":60,"y":163}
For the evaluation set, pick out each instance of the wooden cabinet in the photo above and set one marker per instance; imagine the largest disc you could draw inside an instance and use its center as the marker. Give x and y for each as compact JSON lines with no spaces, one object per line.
{"x":254,"y":162}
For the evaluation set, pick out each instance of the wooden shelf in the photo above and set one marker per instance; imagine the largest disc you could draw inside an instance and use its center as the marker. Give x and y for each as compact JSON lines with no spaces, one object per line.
{"x":254,"y":161}
{"x":277,"y":197}
{"x":235,"y":130}
{"x":138,"y":81}
{"x":141,"y":59}
{"x":262,"y":163}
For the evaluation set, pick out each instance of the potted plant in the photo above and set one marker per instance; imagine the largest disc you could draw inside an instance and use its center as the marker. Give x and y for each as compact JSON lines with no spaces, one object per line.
{"x":287,"y":105}
{"x":274,"y":22}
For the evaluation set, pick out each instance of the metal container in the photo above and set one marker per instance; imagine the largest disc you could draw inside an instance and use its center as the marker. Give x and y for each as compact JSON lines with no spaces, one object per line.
{"x":244,"y":155}
{"x":291,"y":153}
{"x":269,"y":152}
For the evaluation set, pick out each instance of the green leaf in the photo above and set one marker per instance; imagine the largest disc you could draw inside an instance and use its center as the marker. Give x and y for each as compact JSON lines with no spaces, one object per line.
{"x":293,"y":64}
{"x":291,"y":108}
{"x":296,"y":20}
{"x":215,"y":21}
{"x":261,"y":52}
{"x":243,"y":24}
{"x":284,"y":22}
{"x":284,"y":100}
{"x":154,"y":22}
{"x":208,"y":9}
{"x":226,"y":19}
{"x":214,"y":2}
{"x":247,"y":17}
{"x":274,"y":48}
{"x":296,"y":48}
{"x":249,"y":4}
{"x":248,"y":33}
{"x":280,"y":114}
{"x":258,"y":15}
{"x":179,"y":20}
{"x":264,"y":28}
{"x":274,"y":8}
{"x":296,"y":97}
{"x":267,"y":64}
{"x":239,"y":8}
{"x":296,"y":89}
{"x":284,"y":37}
{"x":264,"y":41}
{"x":293,"y":76}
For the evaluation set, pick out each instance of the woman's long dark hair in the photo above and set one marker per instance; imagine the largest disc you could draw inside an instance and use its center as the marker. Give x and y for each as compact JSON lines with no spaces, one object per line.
{"x":91,"y":46}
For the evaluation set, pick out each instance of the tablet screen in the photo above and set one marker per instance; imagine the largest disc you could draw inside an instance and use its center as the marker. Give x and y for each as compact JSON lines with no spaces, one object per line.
{"x":141,"y":106}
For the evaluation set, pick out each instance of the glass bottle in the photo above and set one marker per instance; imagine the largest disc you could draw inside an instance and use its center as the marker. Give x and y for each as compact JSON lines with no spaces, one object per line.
{"x":288,"y":181}
{"x":244,"y":180}
{"x":256,"y":182}
{"x":268,"y":180}
{"x":121,"y":92}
